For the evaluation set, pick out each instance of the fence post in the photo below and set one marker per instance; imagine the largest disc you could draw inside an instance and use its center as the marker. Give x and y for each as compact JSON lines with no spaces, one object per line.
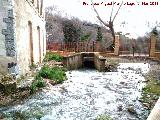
{"x":87,"y":47}
{"x":152,"y":45}
{"x":117,"y":42}
{"x":93,"y":46}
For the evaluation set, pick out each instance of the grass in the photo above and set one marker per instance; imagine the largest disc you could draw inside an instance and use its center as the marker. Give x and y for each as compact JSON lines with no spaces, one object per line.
{"x":55,"y":73}
{"x":103,"y":117}
{"x":37,"y":83}
{"x":52,"y":56}
{"x":151,"y":92}
{"x":152,"y":87}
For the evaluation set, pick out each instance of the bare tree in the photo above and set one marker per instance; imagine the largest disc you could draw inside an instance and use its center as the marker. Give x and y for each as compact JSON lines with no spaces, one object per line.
{"x":111,"y":20}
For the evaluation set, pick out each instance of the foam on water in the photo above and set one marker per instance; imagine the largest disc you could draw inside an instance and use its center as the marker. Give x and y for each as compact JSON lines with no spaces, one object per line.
{"x":87,"y":94}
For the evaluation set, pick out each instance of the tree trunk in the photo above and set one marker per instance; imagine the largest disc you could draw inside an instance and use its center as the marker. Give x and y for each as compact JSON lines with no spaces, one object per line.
{"x":113,"y":34}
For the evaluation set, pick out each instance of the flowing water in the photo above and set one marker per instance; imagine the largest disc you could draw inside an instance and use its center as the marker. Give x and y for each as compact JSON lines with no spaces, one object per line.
{"x":87,"y":94}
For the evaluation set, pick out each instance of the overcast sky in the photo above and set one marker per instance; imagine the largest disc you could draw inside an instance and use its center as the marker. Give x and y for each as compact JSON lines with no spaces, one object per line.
{"x":136,"y":17}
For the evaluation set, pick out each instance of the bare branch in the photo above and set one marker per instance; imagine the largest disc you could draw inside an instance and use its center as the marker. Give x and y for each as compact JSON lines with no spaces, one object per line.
{"x":98,"y":16}
{"x":117,"y":11}
{"x":112,"y":12}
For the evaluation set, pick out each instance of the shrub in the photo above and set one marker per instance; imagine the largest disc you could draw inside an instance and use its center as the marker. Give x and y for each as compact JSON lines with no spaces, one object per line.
{"x":54,"y":73}
{"x":40,"y":82}
{"x":37,"y":83}
{"x":52,"y":56}
{"x":33,"y":88}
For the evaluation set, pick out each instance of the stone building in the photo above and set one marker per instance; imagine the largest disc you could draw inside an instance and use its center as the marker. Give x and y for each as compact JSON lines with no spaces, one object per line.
{"x":22,"y":35}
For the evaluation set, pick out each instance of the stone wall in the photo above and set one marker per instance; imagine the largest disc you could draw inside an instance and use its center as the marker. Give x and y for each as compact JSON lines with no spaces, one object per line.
{"x":15,"y":40}
{"x":7,"y":38}
{"x":76,"y":61}
{"x":99,"y":62}
{"x":25,"y":13}
{"x":154,"y":115}
{"x":153,"y":52}
{"x":157,"y":54}
{"x":117,"y":44}
{"x":3,"y":13}
{"x":73,"y":62}
{"x":153,"y":45}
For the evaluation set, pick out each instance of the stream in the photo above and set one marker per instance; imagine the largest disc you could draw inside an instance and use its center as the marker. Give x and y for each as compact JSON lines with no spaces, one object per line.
{"x":86,"y":94}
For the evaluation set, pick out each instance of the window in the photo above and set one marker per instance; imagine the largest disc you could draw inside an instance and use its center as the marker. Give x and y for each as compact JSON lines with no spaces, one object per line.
{"x":30,"y":41}
{"x":39,"y":39}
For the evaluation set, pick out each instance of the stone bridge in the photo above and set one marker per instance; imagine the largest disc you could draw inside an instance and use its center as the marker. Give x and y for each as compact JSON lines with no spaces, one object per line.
{"x":85,"y":59}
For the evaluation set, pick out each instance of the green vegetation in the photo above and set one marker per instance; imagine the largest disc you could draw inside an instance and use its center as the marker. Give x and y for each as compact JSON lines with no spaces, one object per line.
{"x":99,"y":34}
{"x":153,"y":87}
{"x":37,"y":83}
{"x":55,"y":73}
{"x":52,"y":56}
{"x":33,"y":66}
{"x":103,"y":117}
{"x":151,"y":92}
{"x":85,"y":37}
{"x":72,"y":32}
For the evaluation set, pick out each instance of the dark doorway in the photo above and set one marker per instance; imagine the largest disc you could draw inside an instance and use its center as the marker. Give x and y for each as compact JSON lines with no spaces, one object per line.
{"x":88,"y":64}
{"x":31,"y":42}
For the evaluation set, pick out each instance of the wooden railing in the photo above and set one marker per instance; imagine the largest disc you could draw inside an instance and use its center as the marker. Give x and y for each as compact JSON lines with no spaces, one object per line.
{"x":85,"y":46}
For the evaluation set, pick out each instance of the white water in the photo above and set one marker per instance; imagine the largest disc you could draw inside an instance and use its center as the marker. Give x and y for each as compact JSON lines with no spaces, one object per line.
{"x":87,"y":94}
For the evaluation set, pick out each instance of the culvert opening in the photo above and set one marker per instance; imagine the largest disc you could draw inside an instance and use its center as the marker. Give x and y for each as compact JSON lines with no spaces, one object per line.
{"x":88,"y":64}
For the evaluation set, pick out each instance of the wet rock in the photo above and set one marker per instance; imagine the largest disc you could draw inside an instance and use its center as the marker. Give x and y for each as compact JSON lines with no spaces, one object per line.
{"x":25,"y":83}
{"x":131,"y":110}
{"x":52,"y":82}
{"x":122,"y":83}
{"x":147,"y":105}
{"x":2,"y":117}
{"x":6,"y":78}
{"x":130,"y":68}
{"x":122,"y":71}
{"x":155,"y":97}
{"x":90,"y":85}
{"x":120,"y":108}
{"x":140,"y":100}
{"x":63,"y":89}
{"x":111,"y":66}
{"x":58,"y":63}
{"x":97,"y":78}
{"x":8,"y":84}
{"x":20,"y":116}
{"x":108,"y":102}
{"x":8,"y":88}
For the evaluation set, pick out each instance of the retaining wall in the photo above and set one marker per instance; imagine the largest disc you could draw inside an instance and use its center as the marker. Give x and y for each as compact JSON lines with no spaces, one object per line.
{"x":76,"y":61}
{"x":73,"y":62}
{"x":99,"y":62}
